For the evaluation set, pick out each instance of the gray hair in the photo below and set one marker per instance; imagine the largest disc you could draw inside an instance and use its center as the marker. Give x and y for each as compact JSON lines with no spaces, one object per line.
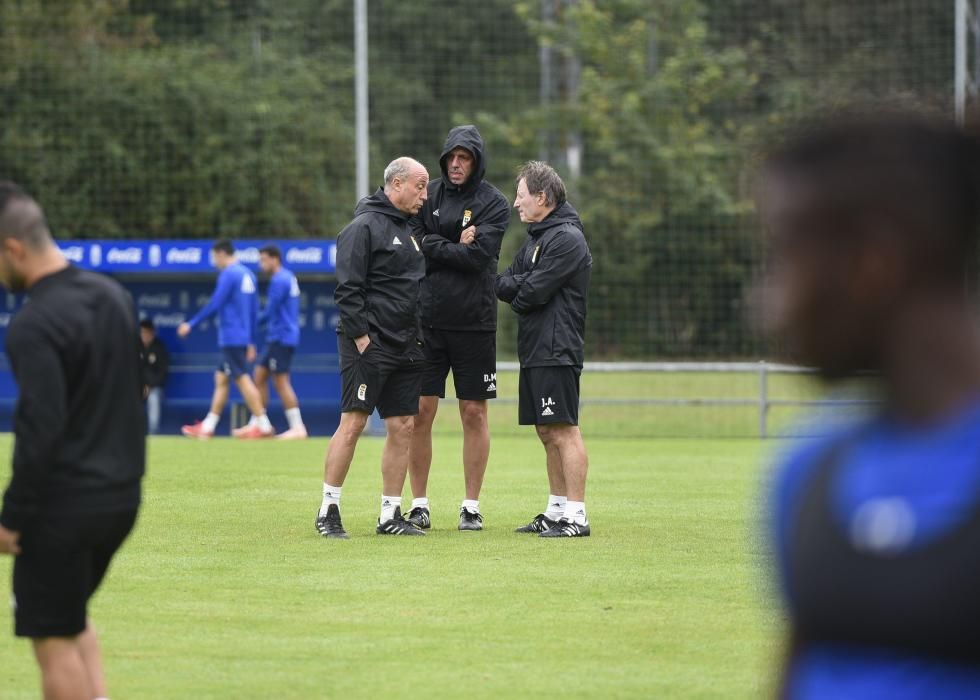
{"x":541,"y":178}
{"x":400,"y":169}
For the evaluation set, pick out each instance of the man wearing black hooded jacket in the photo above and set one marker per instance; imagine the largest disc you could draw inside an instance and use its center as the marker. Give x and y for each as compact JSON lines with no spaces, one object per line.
{"x":460,"y":228}
{"x":379,"y":266}
{"x":547,"y":286}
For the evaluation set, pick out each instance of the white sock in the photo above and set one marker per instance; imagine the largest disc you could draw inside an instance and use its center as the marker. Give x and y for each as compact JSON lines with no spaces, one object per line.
{"x":263,"y":422}
{"x":575,"y":512}
{"x":420,"y":502}
{"x":471,"y":506}
{"x":210,"y":422}
{"x":252,"y":421}
{"x":388,"y":505}
{"x":294,"y":418}
{"x":331,"y":496}
{"x":556,"y":507}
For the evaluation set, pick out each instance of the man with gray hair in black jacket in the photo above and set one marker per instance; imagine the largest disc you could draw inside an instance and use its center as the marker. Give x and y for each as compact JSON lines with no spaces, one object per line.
{"x":547,"y":286}
{"x":379,"y":267}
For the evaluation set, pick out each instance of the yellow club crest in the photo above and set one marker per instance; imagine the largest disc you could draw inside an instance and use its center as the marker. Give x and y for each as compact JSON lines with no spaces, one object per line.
{"x":467,"y":215}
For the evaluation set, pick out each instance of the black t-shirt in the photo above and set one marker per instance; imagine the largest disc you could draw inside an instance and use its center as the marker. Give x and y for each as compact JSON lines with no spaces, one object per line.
{"x":79,"y":425}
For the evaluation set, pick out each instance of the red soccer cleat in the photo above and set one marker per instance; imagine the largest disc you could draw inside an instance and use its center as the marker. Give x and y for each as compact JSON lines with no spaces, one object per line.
{"x":254,"y":432}
{"x":197,"y":431}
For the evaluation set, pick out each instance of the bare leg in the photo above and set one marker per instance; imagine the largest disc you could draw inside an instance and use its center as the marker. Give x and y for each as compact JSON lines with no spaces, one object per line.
{"x":420,"y":459}
{"x":262,"y":384}
{"x":251,"y":395}
{"x":476,"y":445}
{"x":574,"y":459}
{"x":88,"y":645}
{"x":556,"y":475}
{"x":220,"y":396}
{"x":394,"y":457}
{"x":284,"y":388}
{"x":64,"y":675}
{"x":340,"y":451}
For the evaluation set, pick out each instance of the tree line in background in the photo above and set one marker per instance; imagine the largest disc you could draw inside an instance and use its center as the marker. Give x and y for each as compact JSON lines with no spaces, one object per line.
{"x":200,"y":118}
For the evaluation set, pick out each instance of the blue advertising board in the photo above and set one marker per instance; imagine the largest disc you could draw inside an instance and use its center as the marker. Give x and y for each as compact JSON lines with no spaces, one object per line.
{"x":169,"y":281}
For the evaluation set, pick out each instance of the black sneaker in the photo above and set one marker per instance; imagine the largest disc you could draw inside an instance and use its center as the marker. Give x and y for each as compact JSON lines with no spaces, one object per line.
{"x":469,"y":520}
{"x":329,"y":525}
{"x":567,"y":528}
{"x":398,"y":526}
{"x":419,"y":517}
{"x":541,"y":523}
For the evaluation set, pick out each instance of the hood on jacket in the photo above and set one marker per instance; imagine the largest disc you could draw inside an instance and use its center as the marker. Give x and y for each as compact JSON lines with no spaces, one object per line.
{"x":565,"y":214}
{"x":468,"y":137}
{"x":379,"y":203}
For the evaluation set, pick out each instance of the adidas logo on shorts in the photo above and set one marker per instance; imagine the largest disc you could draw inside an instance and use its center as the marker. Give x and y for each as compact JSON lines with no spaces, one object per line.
{"x":547,"y":412}
{"x":491,"y":387}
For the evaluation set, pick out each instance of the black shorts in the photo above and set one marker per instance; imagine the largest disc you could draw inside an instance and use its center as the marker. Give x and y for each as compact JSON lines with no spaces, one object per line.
{"x":472,"y":355}
{"x":233,"y":362}
{"x":277,"y":358}
{"x":548,"y":395}
{"x":390,"y":381}
{"x":63,"y":560}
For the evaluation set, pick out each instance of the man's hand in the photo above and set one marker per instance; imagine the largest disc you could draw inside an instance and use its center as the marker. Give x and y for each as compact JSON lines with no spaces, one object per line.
{"x":184,"y":329}
{"x":250,"y":353}
{"x":9,"y":541}
{"x":468,"y":236}
{"x":362,"y":343}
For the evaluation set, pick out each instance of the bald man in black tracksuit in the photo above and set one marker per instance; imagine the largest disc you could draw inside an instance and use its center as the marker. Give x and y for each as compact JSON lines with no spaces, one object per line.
{"x":460,"y":228}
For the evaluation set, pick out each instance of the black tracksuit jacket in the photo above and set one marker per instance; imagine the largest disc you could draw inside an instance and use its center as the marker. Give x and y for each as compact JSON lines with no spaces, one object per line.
{"x":547,"y":285}
{"x":457,"y":292}
{"x":379,"y":267}
{"x":79,"y":425}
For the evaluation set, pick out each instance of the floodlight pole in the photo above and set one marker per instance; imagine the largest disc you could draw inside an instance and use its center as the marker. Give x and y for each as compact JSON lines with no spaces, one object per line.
{"x":362,"y":151}
{"x":959,"y":60}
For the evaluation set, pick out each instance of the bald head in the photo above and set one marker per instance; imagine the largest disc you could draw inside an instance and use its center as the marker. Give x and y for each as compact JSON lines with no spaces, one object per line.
{"x":406,"y":181}
{"x":22,"y":218}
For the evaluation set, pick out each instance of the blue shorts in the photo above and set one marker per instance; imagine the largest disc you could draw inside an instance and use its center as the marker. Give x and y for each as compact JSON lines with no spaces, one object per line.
{"x":277,"y":358}
{"x":233,"y":361}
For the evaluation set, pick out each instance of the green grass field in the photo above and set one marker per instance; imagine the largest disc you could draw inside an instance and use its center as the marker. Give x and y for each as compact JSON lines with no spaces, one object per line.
{"x":225,"y":591}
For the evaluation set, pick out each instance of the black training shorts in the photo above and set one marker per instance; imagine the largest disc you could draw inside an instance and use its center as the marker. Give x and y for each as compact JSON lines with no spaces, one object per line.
{"x":472,"y":355}
{"x":388,"y":380}
{"x":548,"y":395}
{"x":63,"y":560}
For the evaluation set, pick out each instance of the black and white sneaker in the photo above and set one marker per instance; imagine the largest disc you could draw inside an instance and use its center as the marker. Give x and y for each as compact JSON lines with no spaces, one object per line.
{"x":329,"y":524}
{"x":468,"y":520}
{"x":567,"y":528}
{"x":419,"y":517}
{"x":541,"y":523}
{"x":398,"y":526}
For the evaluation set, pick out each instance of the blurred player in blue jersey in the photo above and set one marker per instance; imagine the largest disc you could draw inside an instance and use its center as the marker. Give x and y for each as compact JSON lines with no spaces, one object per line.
{"x":281,"y":318}
{"x":236,"y":303}
{"x":872,"y":225}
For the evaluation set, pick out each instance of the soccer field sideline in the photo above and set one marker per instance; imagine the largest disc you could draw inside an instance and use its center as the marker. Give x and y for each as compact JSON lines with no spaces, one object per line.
{"x":224,"y":590}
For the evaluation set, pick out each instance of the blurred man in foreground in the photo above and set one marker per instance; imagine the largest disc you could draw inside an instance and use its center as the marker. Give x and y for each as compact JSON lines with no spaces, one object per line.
{"x":79,"y":449}
{"x":156,"y":366}
{"x":872,"y":225}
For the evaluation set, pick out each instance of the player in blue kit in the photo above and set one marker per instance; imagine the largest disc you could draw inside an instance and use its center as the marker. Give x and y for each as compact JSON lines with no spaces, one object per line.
{"x":873,"y":226}
{"x":235,"y":302}
{"x":281,"y":318}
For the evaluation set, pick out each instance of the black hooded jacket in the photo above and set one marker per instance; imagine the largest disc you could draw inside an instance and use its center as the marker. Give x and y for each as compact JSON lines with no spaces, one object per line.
{"x":457,"y":292}
{"x":547,"y":285}
{"x":379,"y":267}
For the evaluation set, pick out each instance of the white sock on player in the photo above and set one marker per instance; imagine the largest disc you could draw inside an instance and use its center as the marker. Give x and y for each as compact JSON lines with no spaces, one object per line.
{"x":252,"y":421}
{"x":556,"y":507}
{"x":471,"y":506}
{"x":575,"y":512}
{"x":210,"y":422}
{"x":388,"y":505}
{"x":294,"y":418}
{"x":331,"y":496}
{"x":420,"y":503}
{"x":263,"y":422}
